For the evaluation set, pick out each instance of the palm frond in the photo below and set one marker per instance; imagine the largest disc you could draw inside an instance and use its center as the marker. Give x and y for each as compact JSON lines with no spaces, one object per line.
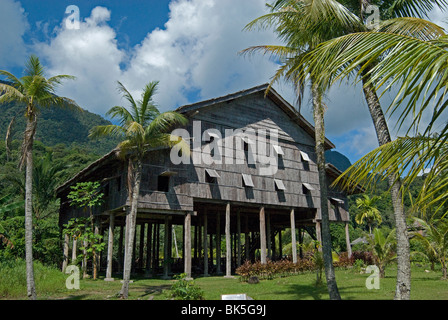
{"x":109,"y":130}
{"x":406,"y":157}
{"x":33,"y":67}
{"x":120,"y":113}
{"x":128,"y":96}
{"x":414,"y":8}
{"x":165,"y":122}
{"x":10,"y":93}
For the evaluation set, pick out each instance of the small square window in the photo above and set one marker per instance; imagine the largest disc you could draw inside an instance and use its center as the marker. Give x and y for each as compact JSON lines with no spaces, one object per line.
{"x":304,"y":156}
{"x":279,"y":185}
{"x":278,"y":150}
{"x":247,"y":180}
{"x":307,"y":188}
{"x":211,"y":176}
{"x":163,"y":183}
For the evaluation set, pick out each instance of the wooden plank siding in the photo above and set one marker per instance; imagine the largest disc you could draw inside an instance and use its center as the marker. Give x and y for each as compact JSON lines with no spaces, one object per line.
{"x":187,"y":182}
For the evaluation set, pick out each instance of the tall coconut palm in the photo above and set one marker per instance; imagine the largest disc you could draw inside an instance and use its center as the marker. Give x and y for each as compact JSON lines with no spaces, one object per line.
{"x":378,"y":61}
{"x":141,"y":128}
{"x":368,"y":211}
{"x":34,"y":91}
{"x":313,"y":64}
{"x":302,"y":25}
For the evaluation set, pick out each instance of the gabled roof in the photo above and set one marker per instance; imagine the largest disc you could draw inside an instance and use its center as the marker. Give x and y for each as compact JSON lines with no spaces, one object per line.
{"x":271,"y":94}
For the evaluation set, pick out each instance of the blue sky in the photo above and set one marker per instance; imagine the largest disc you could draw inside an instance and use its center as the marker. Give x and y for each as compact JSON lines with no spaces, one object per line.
{"x":190,"y":46}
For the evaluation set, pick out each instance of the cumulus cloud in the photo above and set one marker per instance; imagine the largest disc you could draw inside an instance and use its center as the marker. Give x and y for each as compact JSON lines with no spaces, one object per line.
{"x":195,"y":54}
{"x":91,"y":54}
{"x":14,"y":25}
{"x":197,"y":51}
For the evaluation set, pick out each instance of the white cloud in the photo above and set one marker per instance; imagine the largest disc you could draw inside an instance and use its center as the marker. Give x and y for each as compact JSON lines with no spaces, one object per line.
{"x":91,"y":54}
{"x":198,"y":51}
{"x":14,"y":26}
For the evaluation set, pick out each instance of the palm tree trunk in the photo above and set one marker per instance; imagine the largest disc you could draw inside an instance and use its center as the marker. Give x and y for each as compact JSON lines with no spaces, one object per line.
{"x":27,"y":158}
{"x":130,"y":229}
{"x":325,"y":232}
{"x":403,"y":287}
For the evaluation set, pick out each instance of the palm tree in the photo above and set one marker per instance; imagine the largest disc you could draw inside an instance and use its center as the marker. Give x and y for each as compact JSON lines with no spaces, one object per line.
{"x":383,"y":249}
{"x":368,"y":211}
{"x":302,"y":25}
{"x":435,"y":240}
{"x":35,"y":92}
{"x":327,"y":62}
{"x":141,"y":129}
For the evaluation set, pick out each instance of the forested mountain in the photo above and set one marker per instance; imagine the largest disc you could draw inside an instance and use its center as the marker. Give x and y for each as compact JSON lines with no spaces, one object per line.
{"x":56,"y":126}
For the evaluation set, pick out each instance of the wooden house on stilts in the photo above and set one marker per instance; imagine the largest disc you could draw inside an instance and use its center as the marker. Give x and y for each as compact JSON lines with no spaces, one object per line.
{"x":250,"y":176}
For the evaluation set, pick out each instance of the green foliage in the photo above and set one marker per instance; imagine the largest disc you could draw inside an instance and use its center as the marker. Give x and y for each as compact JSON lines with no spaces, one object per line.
{"x":13,"y":279}
{"x":383,"y":248}
{"x":368,"y":211}
{"x":274,"y":269}
{"x":434,"y":240}
{"x":66,"y":127}
{"x":184,"y":289}
{"x":85,"y":194}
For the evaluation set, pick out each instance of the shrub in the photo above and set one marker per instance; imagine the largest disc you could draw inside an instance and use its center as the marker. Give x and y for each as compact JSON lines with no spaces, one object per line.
{"x":272,"y":269}
{"x":184,"y":289}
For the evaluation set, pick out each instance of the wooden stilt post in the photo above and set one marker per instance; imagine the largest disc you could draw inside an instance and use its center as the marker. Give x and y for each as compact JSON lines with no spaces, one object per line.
{"x":318,"y":235}
{"x":218,"y":244}
{"x":148,"y":272}
{"x":66,"y":251}
{"x":228,"y":244}
{"x":238,"y":239}
{"x":155,"y":248}
{"x":262,"y":236}
{"x":110,"y":248}
{"x":347,"y":240}
{"x":141,"y":246}
{"x":210,"y":249}
{"x":268,"y":234}
{"x":170,"y":244}
{"x":293,"y":237}
{"x":205,"y":245}
{"x":187,"y":246}
{"x":166,"y":249}
{"x":120,"y":249}
{"x":300,"y":243}
{"x":280,"y":244}
{"x":195,"y":243}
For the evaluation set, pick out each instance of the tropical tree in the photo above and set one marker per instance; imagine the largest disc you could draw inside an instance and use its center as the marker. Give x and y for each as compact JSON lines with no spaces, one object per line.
{"x":302,"y":25}
{"x":34,"y":91}
{"x":368,"y":211}
{"x":87,"y":195}
{"x":434,"y":240}
{"x":325,"y":65}
{"x":6,"y":206}
{"x":383,"y":249}
{"x":142,"y":128}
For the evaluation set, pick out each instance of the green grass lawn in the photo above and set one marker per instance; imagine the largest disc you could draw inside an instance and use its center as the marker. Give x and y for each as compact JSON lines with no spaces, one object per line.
{"x":425,"y":286}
